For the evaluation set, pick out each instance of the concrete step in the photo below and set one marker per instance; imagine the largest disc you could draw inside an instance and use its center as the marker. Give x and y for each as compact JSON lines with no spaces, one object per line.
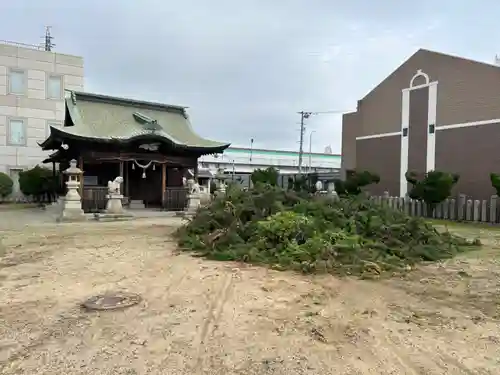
{"x":136,"y":204}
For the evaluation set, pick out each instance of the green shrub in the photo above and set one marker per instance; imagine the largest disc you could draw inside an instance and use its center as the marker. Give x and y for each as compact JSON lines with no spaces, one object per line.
{"x":265,"y":176}
{"x":300,"y":184}
{"x":38,"y":183}
{"x":433,"y":188}
{"x":6,"y":185}
{"x":354,"y":182}
{"x":495,"y":182}
{"x":290,"y":230}
{"x":305,"y":183}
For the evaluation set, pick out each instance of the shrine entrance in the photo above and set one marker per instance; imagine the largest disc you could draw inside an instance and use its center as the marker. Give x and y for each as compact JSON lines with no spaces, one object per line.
{"x":145,"y":183}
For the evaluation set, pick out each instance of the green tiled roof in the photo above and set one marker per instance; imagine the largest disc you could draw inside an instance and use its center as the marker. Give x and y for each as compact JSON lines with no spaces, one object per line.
{"x":98,"y":117}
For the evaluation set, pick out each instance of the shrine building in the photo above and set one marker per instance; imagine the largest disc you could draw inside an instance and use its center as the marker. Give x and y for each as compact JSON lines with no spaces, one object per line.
{"x":151,"y":145}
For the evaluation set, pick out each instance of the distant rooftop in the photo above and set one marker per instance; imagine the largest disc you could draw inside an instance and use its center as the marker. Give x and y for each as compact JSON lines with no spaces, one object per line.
{"x":270,"y":152}
{"x":39,"y":47}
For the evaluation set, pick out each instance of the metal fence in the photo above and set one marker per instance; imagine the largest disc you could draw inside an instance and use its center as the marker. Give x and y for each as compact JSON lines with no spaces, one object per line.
{"x":175,"y":198}
{"x":461,"y":208}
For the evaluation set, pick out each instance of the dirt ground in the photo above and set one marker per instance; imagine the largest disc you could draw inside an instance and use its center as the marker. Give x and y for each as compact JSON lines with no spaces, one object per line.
{"x":203,"y":317}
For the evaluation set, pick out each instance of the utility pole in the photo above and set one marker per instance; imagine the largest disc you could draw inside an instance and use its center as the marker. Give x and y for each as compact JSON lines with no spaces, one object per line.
{"x":303,"y":117}
{"x":251,"y":149}
{"x":48,"y":39}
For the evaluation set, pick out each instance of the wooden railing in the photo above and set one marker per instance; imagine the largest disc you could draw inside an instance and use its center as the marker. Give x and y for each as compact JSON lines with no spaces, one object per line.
{"x":94,"y":198}
{"x":175,"y":198}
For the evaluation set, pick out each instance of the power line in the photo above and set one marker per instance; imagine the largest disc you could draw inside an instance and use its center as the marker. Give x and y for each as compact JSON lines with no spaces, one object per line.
{"x":304,"y":116}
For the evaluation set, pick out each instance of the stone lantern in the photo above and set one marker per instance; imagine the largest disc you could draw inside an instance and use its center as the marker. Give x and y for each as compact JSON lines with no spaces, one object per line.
{"x":72,"y":202}
{"x":221,"y":184}
{"x":331,"y":189}
{"x":193,"y":198}
{"x":190,"y":184}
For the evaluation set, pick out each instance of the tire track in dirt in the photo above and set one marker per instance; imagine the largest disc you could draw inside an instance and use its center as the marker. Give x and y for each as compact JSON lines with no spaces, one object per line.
{"x":211,"y":320}
{"x":354,"y":296}
{"x":392,"y":352}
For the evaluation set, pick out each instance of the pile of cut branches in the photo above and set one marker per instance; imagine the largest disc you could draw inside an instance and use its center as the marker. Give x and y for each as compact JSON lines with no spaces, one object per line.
{"x":289,"y":230}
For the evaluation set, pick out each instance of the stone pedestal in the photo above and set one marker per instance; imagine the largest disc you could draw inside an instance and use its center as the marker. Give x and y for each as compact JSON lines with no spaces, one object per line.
{"x":114,"y":204}
{"x":332,"y":191}
{"x":334,"y":195}
{"x":221,"y":189}
{"x":205,"y":198}
{"x":194,"y":202}
{"x":114,"y":209}
{"x":72,"y":203}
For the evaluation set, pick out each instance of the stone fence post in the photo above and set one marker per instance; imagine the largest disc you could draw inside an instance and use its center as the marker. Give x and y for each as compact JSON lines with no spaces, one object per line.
{"x":493,"y":208}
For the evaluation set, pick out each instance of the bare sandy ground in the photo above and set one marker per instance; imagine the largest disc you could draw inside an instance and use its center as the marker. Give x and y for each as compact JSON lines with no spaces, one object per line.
{"x":203,"y":317}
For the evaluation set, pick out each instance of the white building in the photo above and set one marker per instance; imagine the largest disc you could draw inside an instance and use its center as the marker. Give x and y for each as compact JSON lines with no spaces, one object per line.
{"x":32,"y":84}
{"x":246,"y":160}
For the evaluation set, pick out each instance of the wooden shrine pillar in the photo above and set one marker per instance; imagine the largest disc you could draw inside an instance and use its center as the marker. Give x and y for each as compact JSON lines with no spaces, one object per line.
{"x":163,"y":183}
{"x":127,"y":181}
{"x":80,"y":165}
{"x":62,"y":186}
{"x":122,"y":176}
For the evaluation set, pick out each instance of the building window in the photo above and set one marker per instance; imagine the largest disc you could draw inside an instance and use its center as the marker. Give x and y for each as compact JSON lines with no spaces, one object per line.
{"x":405,"y":132}
{"x":54,"y":87}
{"x":432,"y":128}
{"x":17,"y":82}
{"x":16,"y":135}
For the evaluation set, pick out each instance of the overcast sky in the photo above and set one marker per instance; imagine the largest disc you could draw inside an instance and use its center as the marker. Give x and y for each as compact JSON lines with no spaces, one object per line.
{"x":245,"y":68}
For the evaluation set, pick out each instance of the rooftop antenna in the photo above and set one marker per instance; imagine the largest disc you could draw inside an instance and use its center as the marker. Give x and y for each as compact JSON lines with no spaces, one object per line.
{"x":48,"y":39}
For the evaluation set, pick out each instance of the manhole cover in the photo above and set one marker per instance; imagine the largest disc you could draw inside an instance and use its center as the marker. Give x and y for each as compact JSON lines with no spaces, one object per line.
{"x":112,"y":301}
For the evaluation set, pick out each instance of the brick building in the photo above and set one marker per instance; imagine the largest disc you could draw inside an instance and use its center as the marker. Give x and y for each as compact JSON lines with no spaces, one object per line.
{"x":434,"y":112}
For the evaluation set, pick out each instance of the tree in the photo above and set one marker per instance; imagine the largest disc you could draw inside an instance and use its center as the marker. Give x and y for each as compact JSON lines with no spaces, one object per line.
{"x":299,"y":183}
{"x":38,"y":183}
{"x":433,"y":188}
{"x":267,"y":176}
{"x":354,"y":182}
{"x":495,"y":182}
{"x":6,"y":185}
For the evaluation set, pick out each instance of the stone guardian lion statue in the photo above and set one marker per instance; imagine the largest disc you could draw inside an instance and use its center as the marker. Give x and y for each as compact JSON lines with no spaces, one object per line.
{"x":114,"y":186}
